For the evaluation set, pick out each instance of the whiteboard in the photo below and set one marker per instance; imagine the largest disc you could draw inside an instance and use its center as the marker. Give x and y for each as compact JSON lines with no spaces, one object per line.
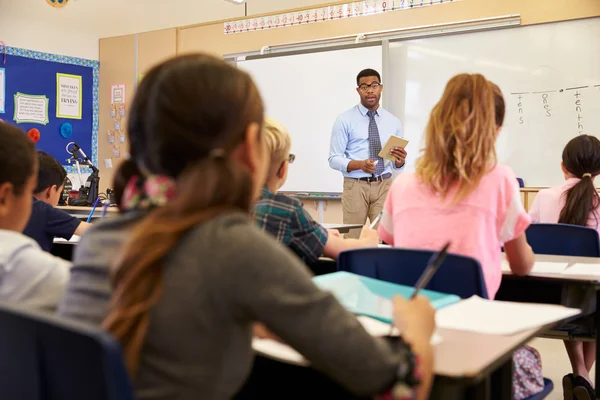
{"x":306,"y":92}
{"x":536,"y":67}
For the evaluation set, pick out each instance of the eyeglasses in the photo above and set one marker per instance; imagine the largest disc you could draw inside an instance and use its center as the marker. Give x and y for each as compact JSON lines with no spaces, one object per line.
{"x":375,"y":85}
{"x":291,"y":158}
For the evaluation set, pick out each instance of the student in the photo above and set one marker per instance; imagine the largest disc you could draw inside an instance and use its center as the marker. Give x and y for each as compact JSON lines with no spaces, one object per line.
{"x":182,"y":276}
{"x":28,"y":275}
{"x":285,"y":217}
{"x":48,"y":222}
{"x":575,"y":202}
{"x":459,"y":194}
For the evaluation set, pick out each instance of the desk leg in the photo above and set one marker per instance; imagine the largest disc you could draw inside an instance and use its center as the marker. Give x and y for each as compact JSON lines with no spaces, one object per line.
{"x":597,"y":318}
{"x":502,"y":382}
{"x":321,"y":211}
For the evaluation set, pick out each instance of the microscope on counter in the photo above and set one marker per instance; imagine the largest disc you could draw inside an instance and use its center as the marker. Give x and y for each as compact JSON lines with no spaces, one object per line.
{"x":88,"y":192}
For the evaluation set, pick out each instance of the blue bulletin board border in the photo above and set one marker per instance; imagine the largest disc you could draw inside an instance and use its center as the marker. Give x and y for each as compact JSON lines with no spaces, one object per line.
{"x":83,"y":62}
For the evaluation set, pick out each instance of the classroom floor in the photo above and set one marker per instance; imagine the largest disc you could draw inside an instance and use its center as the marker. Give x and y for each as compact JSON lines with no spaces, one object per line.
{"x":555,"y":363}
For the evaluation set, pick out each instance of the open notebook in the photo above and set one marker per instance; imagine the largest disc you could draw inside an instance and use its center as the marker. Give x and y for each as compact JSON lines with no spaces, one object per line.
{"x":284,"y":353}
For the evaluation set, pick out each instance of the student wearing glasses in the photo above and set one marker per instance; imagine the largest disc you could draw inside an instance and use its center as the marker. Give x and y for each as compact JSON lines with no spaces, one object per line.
{"x":357,"y":137}
{"x":285,"y":218}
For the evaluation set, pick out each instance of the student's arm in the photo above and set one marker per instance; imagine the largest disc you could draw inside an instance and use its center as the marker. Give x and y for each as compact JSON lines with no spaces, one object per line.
{"x":337,"y":147}
{"x":62,"y":224}
{"x":82,"y":228}
{"x":514,"y":221}
{"x":36,"y":278}
{"x":336,"y":244}
{"x":266,"y":284}
{"x":519,"y":255}
{"x":386,"y":225}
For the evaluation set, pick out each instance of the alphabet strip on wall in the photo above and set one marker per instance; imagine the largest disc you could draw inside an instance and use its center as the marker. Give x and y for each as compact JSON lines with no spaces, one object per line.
{"x":324,"y":14}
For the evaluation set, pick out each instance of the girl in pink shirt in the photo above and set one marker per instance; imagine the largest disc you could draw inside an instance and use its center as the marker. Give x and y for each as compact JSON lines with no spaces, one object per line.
{"x":575,"y":202}
{"x":459,"y":194}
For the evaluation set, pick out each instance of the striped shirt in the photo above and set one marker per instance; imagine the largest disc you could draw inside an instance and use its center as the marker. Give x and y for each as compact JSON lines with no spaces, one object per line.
{"x":287,"y":220}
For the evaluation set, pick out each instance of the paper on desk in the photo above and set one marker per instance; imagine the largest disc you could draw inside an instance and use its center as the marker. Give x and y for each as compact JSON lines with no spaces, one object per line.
{"x":74,"y":239}
{"x":541,"y":267}
{"x":285,"y":353}
{"x":499,"y":317}
{"x":583,"y":269}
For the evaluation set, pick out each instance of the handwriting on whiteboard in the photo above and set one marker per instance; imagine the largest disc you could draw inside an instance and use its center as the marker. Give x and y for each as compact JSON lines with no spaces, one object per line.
{"x":570,"y":103}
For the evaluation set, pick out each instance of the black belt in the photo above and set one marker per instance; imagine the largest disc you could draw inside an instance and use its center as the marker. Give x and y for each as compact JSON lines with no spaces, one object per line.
{"x":376,"y":178}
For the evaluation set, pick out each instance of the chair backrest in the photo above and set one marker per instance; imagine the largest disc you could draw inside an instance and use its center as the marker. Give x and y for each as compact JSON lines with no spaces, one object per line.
{"x":45,"y":358}
{"x":563,"y":240}
{"x":458,"y":275}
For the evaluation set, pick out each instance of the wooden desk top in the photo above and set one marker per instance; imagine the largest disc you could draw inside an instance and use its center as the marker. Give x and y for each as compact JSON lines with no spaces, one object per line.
{"x":473,"y":356}
{"x":87,"y":209}
{"x":341,"y":226}
{"x":567,"y":260}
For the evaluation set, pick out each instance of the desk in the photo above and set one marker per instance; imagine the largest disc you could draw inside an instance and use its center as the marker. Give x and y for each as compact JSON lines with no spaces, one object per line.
{"x":548,"y":287}
{"x":342,"y":228}
{"x":467,"y":362}
{"x":84,"y":212}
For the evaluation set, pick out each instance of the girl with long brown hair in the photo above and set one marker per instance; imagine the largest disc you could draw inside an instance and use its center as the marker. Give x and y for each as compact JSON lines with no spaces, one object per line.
{"x":459,"y":194}
{"x":182,"y":276}
{"x":575,"y":202}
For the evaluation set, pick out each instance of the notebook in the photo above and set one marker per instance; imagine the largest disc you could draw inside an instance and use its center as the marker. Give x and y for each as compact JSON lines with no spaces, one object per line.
{"x":371,"y":297}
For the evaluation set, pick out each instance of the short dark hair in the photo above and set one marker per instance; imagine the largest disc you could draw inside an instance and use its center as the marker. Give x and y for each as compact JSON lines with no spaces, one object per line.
{"x":50,"y":172}
{"x":17,"y":157}
{"x":367,"y":72}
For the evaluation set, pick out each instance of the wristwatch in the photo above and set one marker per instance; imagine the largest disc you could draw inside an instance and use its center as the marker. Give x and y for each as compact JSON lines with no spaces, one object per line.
{"x":408,"y":375}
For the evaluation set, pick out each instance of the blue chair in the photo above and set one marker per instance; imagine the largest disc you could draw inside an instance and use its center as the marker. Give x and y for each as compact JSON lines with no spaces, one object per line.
{"x":521,"y":182}
{"x":563,"y":240}
{"x":548,"y":388}
{"x":458,"y":275}
{"x":45,"y":358}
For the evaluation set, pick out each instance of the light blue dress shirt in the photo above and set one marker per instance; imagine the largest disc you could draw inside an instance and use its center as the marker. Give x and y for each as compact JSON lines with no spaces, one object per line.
{"x":350,"y":139}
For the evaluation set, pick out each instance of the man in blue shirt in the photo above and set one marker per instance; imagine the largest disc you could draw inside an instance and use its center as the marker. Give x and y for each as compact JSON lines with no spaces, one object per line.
{"x":46,"y":221}
{"x":357,"y":137}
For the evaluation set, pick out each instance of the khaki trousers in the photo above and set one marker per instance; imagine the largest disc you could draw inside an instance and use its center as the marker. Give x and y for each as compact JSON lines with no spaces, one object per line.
{"x":362,"y":199}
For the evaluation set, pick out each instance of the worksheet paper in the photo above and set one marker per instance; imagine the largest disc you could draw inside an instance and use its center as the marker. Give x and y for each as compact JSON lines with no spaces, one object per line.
{"x":498,"y":317}
{"x":283,"y":352}
{"x":583,"y":269}
{"x":541,"y":267}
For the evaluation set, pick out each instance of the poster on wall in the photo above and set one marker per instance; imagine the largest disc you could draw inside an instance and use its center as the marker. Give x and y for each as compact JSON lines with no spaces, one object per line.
{"x":2,"y":91}
{"x":68,"y":96}
{"x":30,"y":108}
{"x":117,"y":94}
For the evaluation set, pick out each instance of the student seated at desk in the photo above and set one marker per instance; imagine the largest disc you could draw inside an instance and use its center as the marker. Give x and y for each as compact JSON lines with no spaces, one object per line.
{"x":28,"y":275}
{"x":182,"y":276}
{"x":285,"y":217}
{"x":575,"y":202}
{"x":46,"y":221}
{"x":459,"y":194}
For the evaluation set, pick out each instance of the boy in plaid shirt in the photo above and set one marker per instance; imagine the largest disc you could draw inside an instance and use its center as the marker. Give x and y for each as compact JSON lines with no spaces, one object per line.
{"x":285,"y":218}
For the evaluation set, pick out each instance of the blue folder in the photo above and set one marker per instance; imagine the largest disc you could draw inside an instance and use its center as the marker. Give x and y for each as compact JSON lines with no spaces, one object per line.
{"x":371,"y":297}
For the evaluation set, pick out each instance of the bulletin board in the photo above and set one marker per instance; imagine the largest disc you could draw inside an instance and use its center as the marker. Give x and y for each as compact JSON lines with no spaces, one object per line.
{"x":36,"y":75}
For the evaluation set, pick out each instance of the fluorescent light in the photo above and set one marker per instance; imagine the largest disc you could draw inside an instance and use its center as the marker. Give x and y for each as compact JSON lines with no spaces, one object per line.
{"x":236,"y":1}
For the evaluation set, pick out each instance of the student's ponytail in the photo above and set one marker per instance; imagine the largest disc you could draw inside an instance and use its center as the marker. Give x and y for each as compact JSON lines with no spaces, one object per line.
{"x":189,"y":116}
{"x":581,"y":158}
{"x":204,"y":191}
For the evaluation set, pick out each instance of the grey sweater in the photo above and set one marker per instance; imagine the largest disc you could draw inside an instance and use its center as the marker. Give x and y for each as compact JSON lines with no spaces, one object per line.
{"x":223,"y":276}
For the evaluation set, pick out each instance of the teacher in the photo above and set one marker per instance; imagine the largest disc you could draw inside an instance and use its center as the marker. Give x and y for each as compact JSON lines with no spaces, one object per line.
{"x":356,"y":140}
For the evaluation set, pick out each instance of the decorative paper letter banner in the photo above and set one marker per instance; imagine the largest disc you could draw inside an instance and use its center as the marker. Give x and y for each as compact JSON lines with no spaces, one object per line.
{"x":323,"y":14}
{"x":68,"y":96}
{"x":2,"y":91}
{"x":117,"y":94}
{"x":31,"y":108}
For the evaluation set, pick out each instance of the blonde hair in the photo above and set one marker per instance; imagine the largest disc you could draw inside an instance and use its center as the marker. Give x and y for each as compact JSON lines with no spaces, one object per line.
{"x":460,"y":136}
{"x":279,"y":143}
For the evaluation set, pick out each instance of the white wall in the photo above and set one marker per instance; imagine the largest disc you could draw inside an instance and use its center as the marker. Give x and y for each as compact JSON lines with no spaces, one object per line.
{"x":75,"y":29}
